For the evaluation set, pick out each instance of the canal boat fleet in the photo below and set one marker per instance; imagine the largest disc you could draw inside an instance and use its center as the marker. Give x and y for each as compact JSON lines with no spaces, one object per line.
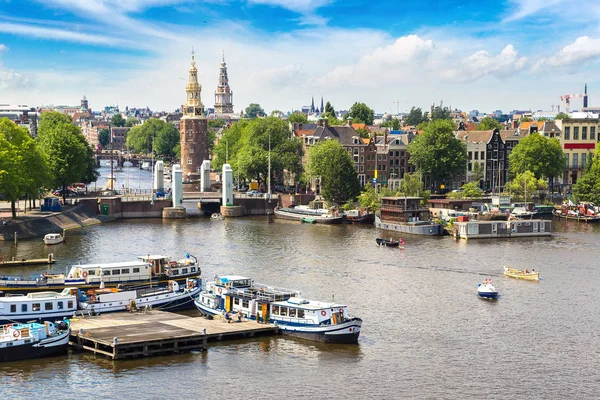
{"x":307,"y":319}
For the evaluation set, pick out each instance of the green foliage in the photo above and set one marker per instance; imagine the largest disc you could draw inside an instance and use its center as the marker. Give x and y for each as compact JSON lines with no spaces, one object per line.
{"x":104,"y":137}
{"x":423,"y":125}
{"x":525,"y":119}
{"x":369,"y":198}
{"x":254,"y":110}
{"x":118,"y":120}
{"x":439,"y":112}
{"x":411,"y":185}
{"x":329,"y":110}
{"x":539,"y":154}
{"x":489,"y":123}
{"x":330,"y":161}
{"x":454,"y":195}
{"x":217,"y":123}
{"x":298,"y":117}
{"x":394,"y":124}
{"x":246,"y":145}
{"x":471,"y":190}
{"x":414,"y":117}
{"x":561,"y":115}
{"x":131,"y":121}
{"x":526,"y":182}
{"x":363,"y":132}
{"x":362,"y":113}
{"x":154,"y":135}
{"x":437,"y":152}
{"x":587,"y":188}
{"x":542,"y":119}
{"x":478,"y":171}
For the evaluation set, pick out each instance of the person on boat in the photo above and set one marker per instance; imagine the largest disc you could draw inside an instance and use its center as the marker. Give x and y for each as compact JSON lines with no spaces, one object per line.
{"x":239,"y":315}
{"x":227,"y":317}
{"x":526,"y":271}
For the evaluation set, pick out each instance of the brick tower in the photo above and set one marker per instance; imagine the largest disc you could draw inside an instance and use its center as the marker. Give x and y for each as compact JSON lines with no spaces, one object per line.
{"x":193,"y":128}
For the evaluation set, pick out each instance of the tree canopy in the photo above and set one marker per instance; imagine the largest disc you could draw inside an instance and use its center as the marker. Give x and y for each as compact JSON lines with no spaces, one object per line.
{"x":104,"y":137}
{"x":298,"y":117}
{"x":526,"y":183}
{"x":154,"y":135}
{"x":131,"y":121}
{"x":439,"y":112}
{"x":394,"y":124}
{"x":437,"y":152}
{"x":489,"y":123}
{"x":330,"y":161}
{"x":587,"y":188}
{"x":245,"y":145}
{"x":361,"y":113}
{"x":217,"y":123}
{"x":414,"y":117}
{"x":254,"y":110}
{"x":118,"y":120}
{"x":329,"y":110}
{"x":561,"y":115}
{"x":536,"y":153}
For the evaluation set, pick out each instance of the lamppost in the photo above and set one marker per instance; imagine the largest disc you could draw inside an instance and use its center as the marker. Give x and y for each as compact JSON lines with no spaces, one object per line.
{"x":269,"y":173}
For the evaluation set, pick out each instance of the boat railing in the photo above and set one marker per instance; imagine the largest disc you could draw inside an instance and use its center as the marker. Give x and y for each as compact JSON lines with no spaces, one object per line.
{"x":279,"y":318}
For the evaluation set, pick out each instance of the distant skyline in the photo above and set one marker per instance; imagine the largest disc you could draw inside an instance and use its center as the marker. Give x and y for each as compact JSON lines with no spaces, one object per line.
{"x":485,"y":55}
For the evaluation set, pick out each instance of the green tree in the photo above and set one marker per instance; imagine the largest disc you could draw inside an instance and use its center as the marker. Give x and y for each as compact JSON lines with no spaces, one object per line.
{"x":542,"y":119}
{"x":118,"y":120}
{"x":438,"y":153}
{"x":329,"y":110}
{"x":254,"y":110}
{"x":104,"y":137}
{"x":439,"y":112}
{"x":363,"y":132}
{"x":394,"y":124}
{"x":362,"y":113}
{"x":330,"y":161}
{"x":539,"y":154}
{"x":298,"y":117}
{"x":411,"y":185}
{"x":131,"y":121}
{"x":217,"y":123}
{"x":154,"y":135}
{"x":471,"y":190}
{"x":526,"y":183}
{"x":414,"y":117}
{"x":369,"y":198}
{"x":477,"y":172}
{"x":587,"y":188}
{"x":525,"y":119}
{"x":561,"y":115}
{"x":489,"y":123}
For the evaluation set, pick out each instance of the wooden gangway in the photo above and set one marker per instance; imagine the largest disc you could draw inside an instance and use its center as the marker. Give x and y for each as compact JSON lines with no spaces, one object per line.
{"x":124,"y":335}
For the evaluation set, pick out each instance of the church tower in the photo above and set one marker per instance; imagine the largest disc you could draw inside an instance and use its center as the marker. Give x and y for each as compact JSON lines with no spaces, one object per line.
{"x":193,"y":127}
{"x":223,"y":95}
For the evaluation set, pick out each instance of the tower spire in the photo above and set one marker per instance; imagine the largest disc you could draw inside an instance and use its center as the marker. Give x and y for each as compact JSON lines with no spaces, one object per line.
{"x":223,"y":94}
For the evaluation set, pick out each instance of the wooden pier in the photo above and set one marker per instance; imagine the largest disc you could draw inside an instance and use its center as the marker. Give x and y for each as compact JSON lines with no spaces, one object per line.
{"x":124,"y":335}
{"x":24,"y":262}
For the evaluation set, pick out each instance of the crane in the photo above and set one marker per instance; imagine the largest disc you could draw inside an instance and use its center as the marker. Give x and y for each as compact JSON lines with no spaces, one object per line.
{"x":567,"y":99}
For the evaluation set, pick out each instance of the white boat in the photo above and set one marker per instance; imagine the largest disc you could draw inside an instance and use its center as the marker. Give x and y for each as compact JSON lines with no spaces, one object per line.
{"x":295,"y":316}
{"x":33,"y":340}
{"x":168,"y":298}
{"x":487,"y":290}
{"x":39,"y":306}
{"x":302,"y":213}
{"x":521,"y":213}
{"x":127,"y":164}
{"x":53,"y":238}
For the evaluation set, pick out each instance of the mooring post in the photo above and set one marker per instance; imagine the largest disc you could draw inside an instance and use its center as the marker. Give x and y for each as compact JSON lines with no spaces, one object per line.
{"x":15,"y":238}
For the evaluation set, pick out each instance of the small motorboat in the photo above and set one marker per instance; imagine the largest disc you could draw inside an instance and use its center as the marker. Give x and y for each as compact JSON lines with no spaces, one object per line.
{"x":487,"y":290}
{"x":53,"y":238}
{"x":33,"y":340}
{"x":389,"y":242}
{"x":518,"y":274}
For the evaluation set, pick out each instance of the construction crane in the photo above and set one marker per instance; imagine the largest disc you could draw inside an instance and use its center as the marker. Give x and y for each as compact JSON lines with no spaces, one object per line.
{"x":567,"y":99}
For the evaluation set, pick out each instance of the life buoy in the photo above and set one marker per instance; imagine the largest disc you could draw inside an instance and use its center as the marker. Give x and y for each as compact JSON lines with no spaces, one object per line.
{"x":323,"y":313}
{"x":220,"y":290}
{"x":17,"y":334}
{"x":84,"y":274}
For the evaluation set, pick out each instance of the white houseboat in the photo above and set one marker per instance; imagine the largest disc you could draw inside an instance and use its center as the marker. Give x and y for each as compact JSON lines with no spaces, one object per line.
{"x":38,"y":306}
{"x":502,"y":229}
{"x":33,"y":340}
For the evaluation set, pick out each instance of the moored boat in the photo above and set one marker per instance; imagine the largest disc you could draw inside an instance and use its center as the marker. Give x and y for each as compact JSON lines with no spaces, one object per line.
{"x":316,"y":216}
{"x":359,"y":216}
{"x":487,"y":290}
{"x":37,"y":306}
{"x":406,"y":215}
{"x":389,"y":242}
{"x":53,"y":238}
{"x":527,"y":275}
{"x":33,"y":340}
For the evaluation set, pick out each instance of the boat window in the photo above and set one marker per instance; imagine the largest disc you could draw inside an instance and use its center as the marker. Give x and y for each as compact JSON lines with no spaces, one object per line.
{"x":283,"y":311}
{"x":293,"y":312}
{"x":106,"y":272}
{"x":91,"y":272}
{"x":13,"y":308}
{"x":125,"y":271}
{"x":236,"y":301}
{"x":36,"y":307}
{"x":193,"y":269}
{"x":300,"y":313}
{"x":184,"y":271}
{"x":70,"y":304}
{"x":60,"y":305}
{"x":136,"y":270}
{"x":116,"y":272}
{"x":245,"y":303}
{"x":275,"y":310}
{"x":48,"y":306}
{"x":175,"y":272}
{"x":23,"y":307}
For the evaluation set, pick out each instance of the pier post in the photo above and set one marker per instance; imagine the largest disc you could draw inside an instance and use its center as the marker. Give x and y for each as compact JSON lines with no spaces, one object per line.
{"x":15,"y":238}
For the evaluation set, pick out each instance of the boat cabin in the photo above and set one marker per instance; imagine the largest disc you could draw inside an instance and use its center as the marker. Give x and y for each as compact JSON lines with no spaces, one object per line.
{"x":502,"y":229}
{"x":403,"y":210}
{"x":302,"y":311}
{"x":34,"y":303}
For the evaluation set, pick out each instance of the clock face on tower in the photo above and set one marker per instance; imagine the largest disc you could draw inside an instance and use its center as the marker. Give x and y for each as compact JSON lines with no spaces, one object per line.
{"x":198,"y":111}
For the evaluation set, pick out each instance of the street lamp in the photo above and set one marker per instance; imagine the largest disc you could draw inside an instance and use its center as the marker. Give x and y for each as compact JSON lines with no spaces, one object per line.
{"x":269,"y":173}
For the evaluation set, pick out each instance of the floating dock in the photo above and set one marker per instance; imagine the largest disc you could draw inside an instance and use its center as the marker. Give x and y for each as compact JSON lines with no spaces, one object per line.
{"x":25,"y":263}
{"x":124,"y":335}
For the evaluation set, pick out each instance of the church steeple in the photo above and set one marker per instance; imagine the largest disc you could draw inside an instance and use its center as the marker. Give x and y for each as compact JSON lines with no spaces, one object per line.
{"x":322,"y":108}
{"x":193,"y":104}
{"x":312,"y":105}
{"x":223,"y":94}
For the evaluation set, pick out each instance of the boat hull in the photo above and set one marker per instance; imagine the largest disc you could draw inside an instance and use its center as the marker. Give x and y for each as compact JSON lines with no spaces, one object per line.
{"x":316,"y":218}
{"x":38,"y":317}
{"x":344,"y":333}
{"x":181,"y":302}
{"x":387,"y":243}
{"x":426,"y":229}
{"x":527,"y":277}
{"x":488,"y":295}
{"x":49,"y":242}
{"x":49,"y":347}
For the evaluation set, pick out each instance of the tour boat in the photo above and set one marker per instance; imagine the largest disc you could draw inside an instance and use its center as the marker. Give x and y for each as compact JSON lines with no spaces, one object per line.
{"x":170,"y":298}
{"x":295,"y":316}
{"x":150,"y":269}
{"x":487,"y":290}
{"x":389,"y":242}
{"x":53,"y":238}
{"x":37,"y":306}
{"x":33,"y":340}
{"x":301,"y":213}
{"x":527,"y":275}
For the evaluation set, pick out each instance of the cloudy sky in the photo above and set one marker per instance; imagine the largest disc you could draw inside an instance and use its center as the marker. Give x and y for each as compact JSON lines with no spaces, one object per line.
{"x":390,"y":54}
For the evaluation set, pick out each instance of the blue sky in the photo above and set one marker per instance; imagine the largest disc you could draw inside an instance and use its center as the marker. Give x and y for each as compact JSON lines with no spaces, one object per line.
{"x":488,"y":55}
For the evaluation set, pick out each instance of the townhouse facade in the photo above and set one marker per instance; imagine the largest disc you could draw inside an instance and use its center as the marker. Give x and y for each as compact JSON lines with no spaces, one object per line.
{"x":579,"y":138}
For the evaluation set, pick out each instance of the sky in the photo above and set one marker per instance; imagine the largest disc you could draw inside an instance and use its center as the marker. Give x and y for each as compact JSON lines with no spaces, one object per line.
{"x":389,"y":54}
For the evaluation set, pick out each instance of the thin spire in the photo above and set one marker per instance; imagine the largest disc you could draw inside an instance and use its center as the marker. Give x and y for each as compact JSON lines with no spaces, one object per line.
{"x":193,"y":53}
{"x":223,"y":50}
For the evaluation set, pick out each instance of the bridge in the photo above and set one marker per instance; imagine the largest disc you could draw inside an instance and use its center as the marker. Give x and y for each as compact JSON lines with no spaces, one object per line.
{"x":136,"y":160}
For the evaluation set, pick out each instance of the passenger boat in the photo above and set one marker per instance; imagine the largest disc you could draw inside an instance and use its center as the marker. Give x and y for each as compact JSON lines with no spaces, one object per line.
{"x":150,"y":269}
{"x":487,"y":290}
{"x":301,"y":213}
{"x":33,"y":340}
{"x":295,"y":316}
{"x":38,"y":306}
{"x":389,"y":242}
{"x":527,"y":275}
{"x":170,"y":298}
{"x":53,"y":238}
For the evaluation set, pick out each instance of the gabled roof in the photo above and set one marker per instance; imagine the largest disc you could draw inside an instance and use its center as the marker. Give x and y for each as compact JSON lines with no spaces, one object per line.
{"x":343,"y":134}
{"x":475,"y":136}
{"x":512,"y":134}
{"x":304,"y":132}
{"x":550,"y":126}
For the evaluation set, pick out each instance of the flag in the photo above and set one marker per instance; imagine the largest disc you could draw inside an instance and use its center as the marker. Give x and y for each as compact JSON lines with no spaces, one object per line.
{"x":401,"y":242}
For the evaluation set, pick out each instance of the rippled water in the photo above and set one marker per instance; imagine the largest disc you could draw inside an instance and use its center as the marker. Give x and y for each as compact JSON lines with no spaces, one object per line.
{"x":425,"y":334}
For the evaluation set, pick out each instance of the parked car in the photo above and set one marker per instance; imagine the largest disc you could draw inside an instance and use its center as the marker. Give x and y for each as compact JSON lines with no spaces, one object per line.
{"x":67,"y":193}
{"x":253,"y":193}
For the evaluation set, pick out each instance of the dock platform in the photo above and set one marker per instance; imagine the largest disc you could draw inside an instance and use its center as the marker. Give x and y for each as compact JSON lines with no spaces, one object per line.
{"x":25,"y":262}
{"x":124,"y":335}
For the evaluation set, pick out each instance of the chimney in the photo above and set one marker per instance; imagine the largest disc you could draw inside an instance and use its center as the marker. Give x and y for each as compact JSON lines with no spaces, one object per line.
{"x":385,"y":137}
{"x":320,"y":122}
{"x":585,"y":99}
{"x":300,"y":126}
{"x":326,"y":123}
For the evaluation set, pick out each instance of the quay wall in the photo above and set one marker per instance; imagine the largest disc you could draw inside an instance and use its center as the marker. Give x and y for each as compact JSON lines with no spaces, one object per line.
{"x":115,"y":207}
{"x":258,"y":206}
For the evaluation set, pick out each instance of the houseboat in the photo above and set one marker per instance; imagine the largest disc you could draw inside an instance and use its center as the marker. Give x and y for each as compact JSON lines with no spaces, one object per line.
{"x":360,"y":216}
{"x":38,"y":306}
{"x":406,"y":215}
{"x":33,"y":340}
{"x":295,"y":316}
{"x":582,"y":212}
{"x":502,"y":229}
{"x":300,"y":213}
{"x":149,"y":269}
{"x":169,"y":298}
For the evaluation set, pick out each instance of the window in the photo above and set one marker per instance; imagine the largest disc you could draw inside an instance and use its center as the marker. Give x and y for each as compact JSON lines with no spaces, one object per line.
{"x":189,"y":161}
{"x":592,"y":133}
{"x":116,"y":272}
{"x":300,"y":313}
{"x":191,"y":150}
{"x":362,"y":149}
{"x":36,"y":307}
{"x":575,"y":133}
{"x":236,"y":301}
{"x":362,"y":168}
{"x":136,"y":270}
{"x":567,"y":133}
{"x":91,"y":272}
{"x":125,"y":271}
{"x":293,"y":312}
{"x":275,"y":310}
{"x":470,"y":155}
{"x":575,"y":159}
{"x":105,"y":272}
{"x":391,"y":154}
{"x":476,"y":154}
{"x":48,"y":306}
{"x":583,"y":157}
{"x":245,"y":303}
{"x":175,"y":272}
{"x":470,"y":167}
{"x":13,"y":308}
{"x":60,"y":305}
{"x":193,"y":269}
{"x":184,"y":271}
{"x":567,"y":160}
{"x":583,"y":133}
{"x":70,"y":304}
{"x":362,"y":159}
{"x":283,"y":311}
{"x":482,"y":155}
{"x":23,"y":307}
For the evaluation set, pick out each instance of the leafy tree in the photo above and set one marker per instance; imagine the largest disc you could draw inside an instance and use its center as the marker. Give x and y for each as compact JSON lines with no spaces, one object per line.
{"x":23,"y":167}
{"x":362,"y":113}
{"x":333,"y":121}
{"x":439,"y":112}
{"x":526,"y":182}
{"x":411,"y":185}
{"x":298,"y":117}
{"x":330,"y":161}
{"x":104,"y":137}
{"x":394,"y":124}
{"x":477,"y":172}
{"x":542,"y":119}
{"x":536,"y":153}
{"x":369,"y":198}
{"x":131,"y":121}
{"x":437,"y":152}
{"x":561,"y":115}
{"x":414,"y":117}
{"x":587,"y":188}
{"x":254,"y":110}
{"x":525,"y":119}
{"x":363,"y":132}
{"x":423,"y":125}
{"x":217,"y":123}
{"x":154,"y":135}
{"x":118,"y":120}
{"x":329,"y":110}
{"x":471,"y":190}
{"x":68,"y":154}
{"x":489,"y":123}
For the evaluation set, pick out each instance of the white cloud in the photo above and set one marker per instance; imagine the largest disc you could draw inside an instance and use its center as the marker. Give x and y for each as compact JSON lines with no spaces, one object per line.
{"x":582,"y":50}
{"x":525,"y":8}
{"x":3,"y":47}
{"x":507,"y":63}
{"x":300,"y":6}
{"x":10,"y":79}
{"x":60,"y":35}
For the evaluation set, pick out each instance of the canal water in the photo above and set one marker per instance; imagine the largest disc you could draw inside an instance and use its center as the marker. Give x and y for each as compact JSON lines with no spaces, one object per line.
{"x":426,"y":334}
